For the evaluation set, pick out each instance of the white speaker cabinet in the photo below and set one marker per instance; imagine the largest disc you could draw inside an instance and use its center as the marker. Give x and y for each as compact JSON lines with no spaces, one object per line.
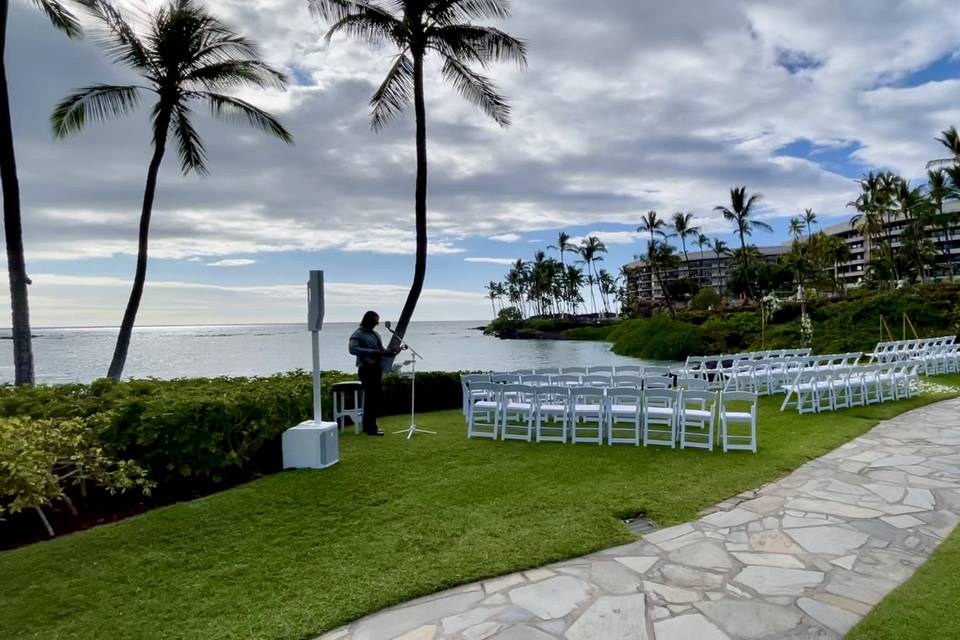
{"x":311,"y":445}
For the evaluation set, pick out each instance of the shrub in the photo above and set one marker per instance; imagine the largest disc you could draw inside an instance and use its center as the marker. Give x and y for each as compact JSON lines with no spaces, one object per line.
{"x":706,"y":299}
{"x":506,"y":323}
{"x":658,"y":338}
{"x":201,"y":434}
{"x":41,"y":459}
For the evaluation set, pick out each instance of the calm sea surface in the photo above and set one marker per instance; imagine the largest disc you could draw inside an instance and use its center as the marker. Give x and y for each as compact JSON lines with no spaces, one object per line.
{"x":82,"y":355}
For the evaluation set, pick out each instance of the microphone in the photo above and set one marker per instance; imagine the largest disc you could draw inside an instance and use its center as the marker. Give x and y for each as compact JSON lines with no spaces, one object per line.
{"x":388,"y":324}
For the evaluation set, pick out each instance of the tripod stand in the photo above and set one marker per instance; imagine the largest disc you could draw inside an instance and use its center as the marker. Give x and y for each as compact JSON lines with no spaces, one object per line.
{"x":414,"y":356}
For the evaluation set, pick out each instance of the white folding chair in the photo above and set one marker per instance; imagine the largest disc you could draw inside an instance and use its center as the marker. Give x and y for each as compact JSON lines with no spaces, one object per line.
{"x":552,"y":413}
{"x":731,"y":412}
{"x":465,"y":381}
{"x":600,"y":381}
{"x":803,"y":387}
{"x":624,"y":405}
{"x":626,"y":381}
{"x":692,"y":384}
{"x":567,"y":380}
{"x":517,"y":412}
{"x":660,"y":417}
{"x":696,"y":411}
{"x":535,"y":379}
{"x":483,"y":415}
{"x":587,"y":414}
{"x":655,"y":370}
{"x":505,"y":378}
{"x":657,"y":382}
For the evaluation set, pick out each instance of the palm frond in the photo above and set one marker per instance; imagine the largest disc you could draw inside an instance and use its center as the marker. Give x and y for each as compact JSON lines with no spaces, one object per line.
{"x":394,"y":93}
{"x":60,"y":17}
{"x":478,"y":90}
{"x":233,"y":109}
{"x":193,"y":155}
{"x":473,"y":43}
{"x":371,"y":26}
{"x":452,"y":11}
{"x":119,"y":39}
{"x":336,"y":10}
{"x":97,"y":103}
{"x":763,"y":226}
{"x":234,"y":73}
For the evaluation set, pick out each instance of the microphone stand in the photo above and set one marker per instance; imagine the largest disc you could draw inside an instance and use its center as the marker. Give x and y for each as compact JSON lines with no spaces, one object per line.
{"x":412,"y":429}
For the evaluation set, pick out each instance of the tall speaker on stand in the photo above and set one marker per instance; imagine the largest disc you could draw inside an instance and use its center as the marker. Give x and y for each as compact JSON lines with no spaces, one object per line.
{"x":313,"y":444}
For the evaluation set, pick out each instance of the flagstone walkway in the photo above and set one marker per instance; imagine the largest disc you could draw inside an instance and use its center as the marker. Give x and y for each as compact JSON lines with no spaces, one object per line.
{"x":802,"y":558}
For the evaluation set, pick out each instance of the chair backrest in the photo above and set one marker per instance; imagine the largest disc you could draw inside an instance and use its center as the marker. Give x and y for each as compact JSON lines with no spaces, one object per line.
{"x":535,"y":379}
{"x":628,"y":368}
{"x":471,"y":378}
{"x":522,"y":392}
{"x":600,"y":370}
{"x":523,"y":372}
{"x":547,"y":371}
{"x":505,"y":378}
{"x":730,"y":397}
{"x":692,"y":384}
{"x":664,"y":398}
{"x":698,"y":398}
{"x":485,"y":390}
{"x":627,"y":381}
{"x":595,"y":381}
{"x":624,"y":395}
{"x":587,"y":395}
{"x":552,"y":394}
{"x":567,"y":379}
{"x":657,"y":382}
{"x":578,"y":370}
{"x":655,"y":370}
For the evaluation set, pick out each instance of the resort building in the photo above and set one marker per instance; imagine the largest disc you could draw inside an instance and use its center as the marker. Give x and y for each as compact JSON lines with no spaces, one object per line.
{"x":713,"y":271}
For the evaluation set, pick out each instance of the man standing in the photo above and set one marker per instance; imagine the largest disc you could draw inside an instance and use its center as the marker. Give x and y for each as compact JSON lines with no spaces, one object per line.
{"x":366,"y":345}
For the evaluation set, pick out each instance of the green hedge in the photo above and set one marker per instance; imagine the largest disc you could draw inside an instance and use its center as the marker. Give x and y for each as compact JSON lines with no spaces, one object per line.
{"x":197,"y":435}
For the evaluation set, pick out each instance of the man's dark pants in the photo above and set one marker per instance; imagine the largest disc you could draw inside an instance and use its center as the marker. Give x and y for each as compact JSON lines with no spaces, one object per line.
{"x":371,"y":377}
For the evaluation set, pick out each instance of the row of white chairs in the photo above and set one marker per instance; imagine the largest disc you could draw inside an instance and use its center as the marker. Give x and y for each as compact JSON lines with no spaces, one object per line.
{"x":907,"y":349}
{"x":615,"y":415}
{"x":609,"y":370}
{"x":854,"y":386}
{"x":940,"y":360}
{"x":767,"y":377}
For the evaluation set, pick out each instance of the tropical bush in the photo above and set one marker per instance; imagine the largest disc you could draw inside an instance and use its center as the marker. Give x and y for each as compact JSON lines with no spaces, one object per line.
{"x":193,"y":436}
{"x":42,"y":460}
{"x":706,"y":298}
{"x":506,"y":323}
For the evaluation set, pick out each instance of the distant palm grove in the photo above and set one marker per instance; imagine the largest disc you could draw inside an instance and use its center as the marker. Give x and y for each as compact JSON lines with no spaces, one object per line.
{"x":910,"y":233}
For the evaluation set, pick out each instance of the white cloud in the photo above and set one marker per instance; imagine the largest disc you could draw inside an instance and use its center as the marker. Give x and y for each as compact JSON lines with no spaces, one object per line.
{"x":506,"y":237}
{"x":232,"y":262}
{"x":491,"y":260}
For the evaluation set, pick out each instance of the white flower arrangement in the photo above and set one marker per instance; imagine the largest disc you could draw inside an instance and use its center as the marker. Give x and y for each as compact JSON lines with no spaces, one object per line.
{"x":806,"y":330}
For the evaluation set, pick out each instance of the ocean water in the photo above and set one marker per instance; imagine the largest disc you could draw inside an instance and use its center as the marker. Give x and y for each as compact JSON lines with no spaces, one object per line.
{"x":83,"y":354}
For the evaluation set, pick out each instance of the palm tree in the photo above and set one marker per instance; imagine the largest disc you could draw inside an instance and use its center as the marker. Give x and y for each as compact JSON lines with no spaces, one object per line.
{"x":563,"y":246}
{"x":950,"y":140}
{"x":590,"y":250}
{"x":63,"y":20}
{"x":608,"y":286}
{"x":492,"y":293}
{"x":809,"y":217}
{"x":720,"y":248}
{"x":573,"y":282}
{"x":416,"y":28}
{"x":660,"y":257}
{"x":186,"y":56}
{"x":739,"y":212}
{"x":652,"y":224}
{"x":684,"y":228}
{"x":796,"y":228}
{"x":703,"y":242}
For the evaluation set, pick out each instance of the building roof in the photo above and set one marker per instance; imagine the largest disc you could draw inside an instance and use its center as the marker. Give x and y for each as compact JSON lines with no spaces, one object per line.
{"x":696,"y":256}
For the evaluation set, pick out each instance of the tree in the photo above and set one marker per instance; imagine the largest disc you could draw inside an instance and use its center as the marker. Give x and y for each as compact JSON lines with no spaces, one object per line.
{"x":573,"y":282}
{"x":796,"y":228}
{"x":65,"y":21}
{"x":186,"y":56}
{"x":563,"y":246}
{"x":703,"y":242}
{"x":492,"y":292}
{"x":950,"y":140}
{"x":809,"y":218}
{"x":660,"y":257}
{"x":590,"y":250}
{"x":740,"y":212}
{"x":416,"y":28}
{"x":684,"y":228}
{"x":652,"y":224}
{"x":720,"y":248}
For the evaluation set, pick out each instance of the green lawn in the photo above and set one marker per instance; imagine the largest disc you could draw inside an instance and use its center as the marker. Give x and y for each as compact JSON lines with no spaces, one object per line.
{"x":925,"y":607}
{"x":297,"y":553}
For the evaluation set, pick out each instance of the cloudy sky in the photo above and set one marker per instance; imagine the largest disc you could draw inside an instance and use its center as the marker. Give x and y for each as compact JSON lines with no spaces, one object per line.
{"x":627,"y":106}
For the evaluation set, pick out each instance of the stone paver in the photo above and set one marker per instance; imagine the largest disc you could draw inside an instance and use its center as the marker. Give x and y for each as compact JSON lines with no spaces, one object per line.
{"x":805,"y":557}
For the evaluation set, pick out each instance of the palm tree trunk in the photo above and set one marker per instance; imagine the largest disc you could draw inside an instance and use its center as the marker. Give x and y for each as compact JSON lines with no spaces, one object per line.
{"x":746,"y":268}
{"x":420,"y":262}
{"x":12,"y":226}
{"x":140,"y":276}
